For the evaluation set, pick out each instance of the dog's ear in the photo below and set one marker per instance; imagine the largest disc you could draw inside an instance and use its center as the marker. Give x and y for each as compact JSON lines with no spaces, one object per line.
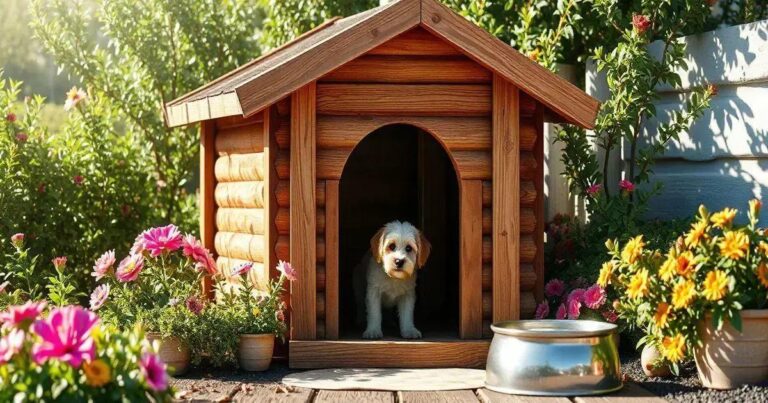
{"x":424,"y":249}
{"x":376,"y":245}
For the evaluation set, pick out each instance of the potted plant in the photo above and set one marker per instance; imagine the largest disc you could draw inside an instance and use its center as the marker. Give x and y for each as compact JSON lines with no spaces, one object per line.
{"x":158,"y":286}
{"x":259,"y":315}
{"x":705,"y":298}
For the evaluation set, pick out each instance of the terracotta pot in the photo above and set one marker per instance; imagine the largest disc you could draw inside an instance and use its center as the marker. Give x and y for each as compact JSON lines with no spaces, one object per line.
{"x":255,"y":351}
{"x":173,"y":351}
{"x":649,"y":356}
{"x":729,"y":359}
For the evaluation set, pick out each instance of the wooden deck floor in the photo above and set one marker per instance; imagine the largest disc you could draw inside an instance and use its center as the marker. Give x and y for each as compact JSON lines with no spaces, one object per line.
{"x":250,"y":392}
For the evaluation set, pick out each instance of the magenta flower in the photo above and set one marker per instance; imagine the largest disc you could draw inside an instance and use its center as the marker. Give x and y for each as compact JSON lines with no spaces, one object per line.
{"x":194,"y":249}
{"x":242,"y":268}
{"x":59,"y":262}
{"x":21,"y":137}
{"x":577,"y":294}
{"x":554,"y":288}
{"x":66,"y":336}
{"x":594,"y":189}
{"x":542,"y":310}
{"x":161,"y":240}
{"x":594,"y":297}
{"x":129,"y":268}
{"x":287,"y":269}
{"x":11,"y":344}
{"x":78,"y":180}
{"x":562,"y":312}
{"x":153,"y":370}
{"x":574,"y":308}
{"x":195,"y":305}
{"x":626,"y":186}
{"x":103,"y":265}
{"x":99,"y":296}
{"x":21,"y":315}
{"x":610,"y":316}
{"x":17,"y":240}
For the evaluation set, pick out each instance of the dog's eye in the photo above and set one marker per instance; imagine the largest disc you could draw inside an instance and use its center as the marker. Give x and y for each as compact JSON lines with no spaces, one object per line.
{"x":392,"y":246}
{"x":408,"y":249}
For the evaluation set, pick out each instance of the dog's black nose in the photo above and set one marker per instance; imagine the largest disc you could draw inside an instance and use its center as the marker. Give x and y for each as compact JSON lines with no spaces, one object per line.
{"x":399,"y":263}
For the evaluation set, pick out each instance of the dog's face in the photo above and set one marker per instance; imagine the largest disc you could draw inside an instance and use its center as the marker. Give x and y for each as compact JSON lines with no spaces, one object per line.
{"x":400,"y":248}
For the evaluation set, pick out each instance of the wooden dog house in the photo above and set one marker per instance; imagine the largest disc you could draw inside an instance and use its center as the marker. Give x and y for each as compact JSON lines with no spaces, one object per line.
{"x":278,"y":137}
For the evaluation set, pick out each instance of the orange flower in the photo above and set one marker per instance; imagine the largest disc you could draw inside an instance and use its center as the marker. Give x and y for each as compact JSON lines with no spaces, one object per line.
{"x":762,"y":274}
{"x":97,"y":373}
{"x":633,"y":249}
{"x":724,"y":219}
{"x":534,"y":55}
{"x":673,"y":348}
{"x":638,"y":285}
{"x":683,"y":294}
{"x":734,"y":245}
{"x":763,"y":248}
{"x":754,"y":207}
{"x":661,"y":315}
{"x":685,"y":264}
{"x":698,"y":232}
{"x":715,"y":285}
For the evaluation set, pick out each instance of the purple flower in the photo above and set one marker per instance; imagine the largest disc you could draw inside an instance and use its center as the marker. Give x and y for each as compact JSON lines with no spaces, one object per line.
{"x":195,"y":305}
{"x":287,"y":269}
{"x":153,"y":370}
{"x":99,"y":296}
{"x":554,"y":288}
{"x":242,"y":268}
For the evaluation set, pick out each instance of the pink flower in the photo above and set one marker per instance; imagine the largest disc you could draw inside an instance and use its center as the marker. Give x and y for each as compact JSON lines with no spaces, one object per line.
{"x":195,"y":305}
{"x":59,"y":262}
{"x":554,"y":288}
{"x":17,"y":240}
{"x":626,"y":186}
{"x":242,"y":268}
{"x":21,"y":137}
{"x":542,"y":310}
{"x":641,"y":23}
{"x":103,"y":265}
{"x":287,"y":269}
{"x":610,"y":316}
{"x":594,"y":189}
{"x":577,"y":294}
{"x":66,"y":335}
{"x":3,"y":286}
{"x":74,"y":96}
{"x":574,"y":308}
{"x":153,"y":370}
{"x":160,"y":240}
{"x":21,"y":315}
{"x":193,"y":249}
{"x":594,"y":297}
{"x":129,"y":268}
{"x":138,"y":244}
{"x":78,"y":180}
{"x":280,"y":315}
{"x":10,"y":117}
{"x":562,"y":312}
{"x":99,"y":296}
{"x":11,"y":344}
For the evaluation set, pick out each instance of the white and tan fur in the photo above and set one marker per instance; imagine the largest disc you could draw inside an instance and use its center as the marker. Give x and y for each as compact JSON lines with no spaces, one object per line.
{"x":398,"y":249}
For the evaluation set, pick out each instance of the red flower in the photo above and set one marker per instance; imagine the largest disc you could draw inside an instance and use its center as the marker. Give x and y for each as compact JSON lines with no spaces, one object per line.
{"x":712,"y":89}
{"x":78,"y":180}
{"x":641,"y":23}
{"x":41,"y":188}
{"x":10,"y":117}
{"x":59,"y":262}
{"x":21,"y":137}
{"x":626,"y":186}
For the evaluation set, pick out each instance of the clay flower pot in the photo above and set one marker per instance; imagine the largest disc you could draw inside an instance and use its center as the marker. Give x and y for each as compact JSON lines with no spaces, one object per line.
{"x":255,"y":351}
{"x":649,"y":356}
{"x":729,"y":359}
{"x":173,"y":351}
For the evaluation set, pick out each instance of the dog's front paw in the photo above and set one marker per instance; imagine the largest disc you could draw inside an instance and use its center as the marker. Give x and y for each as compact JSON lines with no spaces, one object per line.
{"x":373,"y":334}
{"x":411,"y":333}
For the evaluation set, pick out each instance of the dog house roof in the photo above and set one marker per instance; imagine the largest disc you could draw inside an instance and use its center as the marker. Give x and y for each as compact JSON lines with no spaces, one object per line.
{"x":265,"y":80}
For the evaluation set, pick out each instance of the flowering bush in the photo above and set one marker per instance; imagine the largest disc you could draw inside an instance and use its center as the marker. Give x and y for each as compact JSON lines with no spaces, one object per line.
{"x":70,"y":356}
{"x":717,"y":268}
{"x":581,"y":301}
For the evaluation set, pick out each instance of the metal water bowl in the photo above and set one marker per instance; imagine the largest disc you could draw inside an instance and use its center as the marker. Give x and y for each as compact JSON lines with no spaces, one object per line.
{"x":553,"y":358}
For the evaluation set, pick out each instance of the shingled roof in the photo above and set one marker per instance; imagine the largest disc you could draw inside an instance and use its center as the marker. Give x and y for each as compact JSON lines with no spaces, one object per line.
{"x":263,"y":81}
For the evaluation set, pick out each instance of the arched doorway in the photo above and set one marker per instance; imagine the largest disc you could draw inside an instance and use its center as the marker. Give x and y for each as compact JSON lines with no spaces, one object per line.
{"x":400,"y":172}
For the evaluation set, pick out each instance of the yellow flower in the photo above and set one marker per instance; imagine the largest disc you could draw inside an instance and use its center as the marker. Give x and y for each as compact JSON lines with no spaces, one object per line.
{"x":633,"y":249}
{"x":715,"y":285}
{"x":754,"y":207}
{"x":256,"y":311}
{"x":683,"y":294}
{"x":698,"y":232}
{"x":97,"y":373}
{"x":724,"y":218}
{"x":605,"y":274}
{"x":673,"y":348}
{"x":685,"y":264}
{"x":638,"y":285}
{"x":734,"y":245}
{"x":763,"y":248}
{"x":762,"y":274}
{"x":661,"y":315}
{"x":668,"y":269}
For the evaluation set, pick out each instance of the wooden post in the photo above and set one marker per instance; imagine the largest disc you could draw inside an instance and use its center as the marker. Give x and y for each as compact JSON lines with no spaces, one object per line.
{"x":471,"y":259}
{"x":331,"y":259}
{"x":270,"y":186}
{"x":506,"y":201}
{"x":207,"y":189}
{"x":303,"y":213}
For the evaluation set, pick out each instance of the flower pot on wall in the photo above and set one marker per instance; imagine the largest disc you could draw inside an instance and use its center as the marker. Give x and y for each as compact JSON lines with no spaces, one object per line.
{"x":173,"y":351}
{"x":255,"y":351}
{"x":729,"y":359}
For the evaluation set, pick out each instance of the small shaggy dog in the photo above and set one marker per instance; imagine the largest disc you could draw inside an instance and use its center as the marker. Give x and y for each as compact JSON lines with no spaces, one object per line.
{"x":397,"y":250}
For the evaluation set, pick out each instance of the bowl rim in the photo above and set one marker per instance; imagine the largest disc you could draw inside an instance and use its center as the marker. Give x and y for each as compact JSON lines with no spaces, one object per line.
{"x":553,"y":329}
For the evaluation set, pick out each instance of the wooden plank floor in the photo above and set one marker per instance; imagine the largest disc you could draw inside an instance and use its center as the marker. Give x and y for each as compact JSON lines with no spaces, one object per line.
{"x":249,"y":392}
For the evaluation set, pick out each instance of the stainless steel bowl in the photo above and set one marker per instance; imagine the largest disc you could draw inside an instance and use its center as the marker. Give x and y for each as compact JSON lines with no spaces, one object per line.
{"x":553,"y":358}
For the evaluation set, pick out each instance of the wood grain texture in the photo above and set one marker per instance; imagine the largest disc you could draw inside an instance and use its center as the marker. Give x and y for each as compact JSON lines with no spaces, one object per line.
{"x":528,"y":222}
{"x":320,"y":312}
{"x":283,"y":248}
{"x":527,"y":277}
{"x":240,"y":194}
{"x":240,"y":139}
{"x":559,"y":95}
{"x":444,"y":396}
{"x":351,"y":396}
{"x":390,"y":99}
{"x":527,"y":249}
{"x":242,"y":220}
{"x":489,"y":396}
{"x":410,"y":70}
{"x":506,"y":201}
{"x":388,"y":354}
{"x":538,"y":207}
{"x":230,"y":122}
{"x":527,"y":305}
{"x":240,"y":246}
{"x":240,"y":167}
{"x":283,"y":197}
{"x":283,"y":224}
{"x":470,"y":259}
{"x":272,"y":393}
{"x":358,"y":36}
{"x":189,"y":390}
{"x":630,"y":393}
{"x":302,"y":191}
{"x":271,"y":124}
{"x":331,"y":272}
{"x":415,"y":42}
{"x":454,"y":133}
{"x":207,"y":199}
